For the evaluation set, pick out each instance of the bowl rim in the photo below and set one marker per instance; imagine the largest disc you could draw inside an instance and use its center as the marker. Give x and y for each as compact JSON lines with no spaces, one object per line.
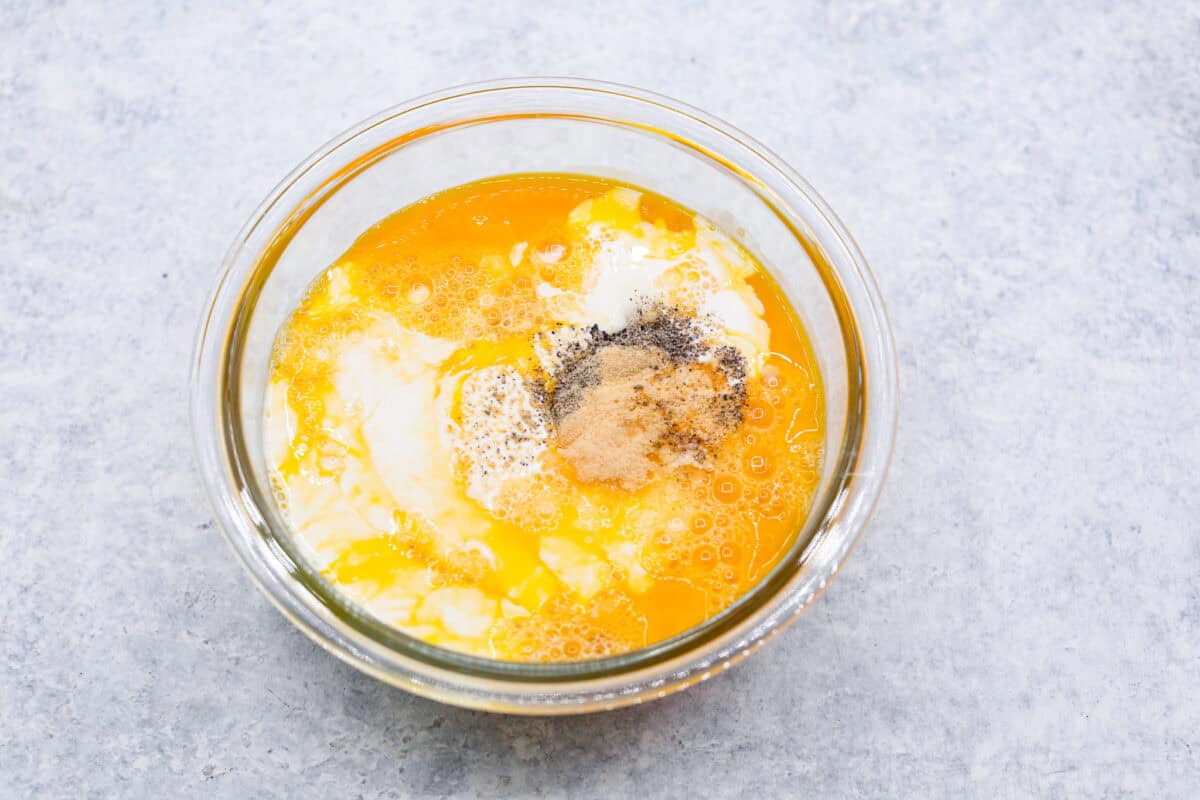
{"x":337,"y":625}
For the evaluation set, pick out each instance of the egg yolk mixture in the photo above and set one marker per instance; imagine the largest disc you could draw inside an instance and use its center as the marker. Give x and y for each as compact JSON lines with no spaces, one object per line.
{"x":544,"y":418}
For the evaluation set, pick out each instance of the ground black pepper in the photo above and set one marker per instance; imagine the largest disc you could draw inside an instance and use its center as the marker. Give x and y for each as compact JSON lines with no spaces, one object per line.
{"x":656,"y":387}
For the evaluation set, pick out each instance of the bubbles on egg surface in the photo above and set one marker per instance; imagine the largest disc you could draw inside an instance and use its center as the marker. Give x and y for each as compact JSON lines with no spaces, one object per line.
{"x":550,"y":252}
{"x":726,"y":488}
{"x":771,"y":500}
{"x":466,"y":565}
{"x":279,"y":492}
{"x":759,"y":464}
{"x":760,"y":415}
{"x":745,"y":504}
{"x":533,"y":503}
{"x":567,"y":629}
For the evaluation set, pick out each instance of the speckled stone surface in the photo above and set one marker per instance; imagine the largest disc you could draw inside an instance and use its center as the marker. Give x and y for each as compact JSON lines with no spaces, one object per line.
{"x":1023,"y":617}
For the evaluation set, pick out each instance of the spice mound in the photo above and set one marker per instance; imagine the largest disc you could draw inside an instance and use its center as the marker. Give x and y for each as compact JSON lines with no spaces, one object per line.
{"x":650,"y":397}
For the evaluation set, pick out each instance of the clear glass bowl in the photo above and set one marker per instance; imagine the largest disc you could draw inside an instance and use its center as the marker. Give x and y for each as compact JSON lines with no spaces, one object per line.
{"x":542,"y":125}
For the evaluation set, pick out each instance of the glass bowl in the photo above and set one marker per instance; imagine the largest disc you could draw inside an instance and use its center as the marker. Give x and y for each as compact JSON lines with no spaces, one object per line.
{"x":542,"y":125}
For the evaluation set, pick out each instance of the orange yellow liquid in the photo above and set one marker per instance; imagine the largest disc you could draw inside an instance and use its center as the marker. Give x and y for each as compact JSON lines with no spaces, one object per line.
{"x":471,"y":265}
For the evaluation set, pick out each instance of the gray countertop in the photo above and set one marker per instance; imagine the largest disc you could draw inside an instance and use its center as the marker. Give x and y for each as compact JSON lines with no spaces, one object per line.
{"x":1023,"y":616}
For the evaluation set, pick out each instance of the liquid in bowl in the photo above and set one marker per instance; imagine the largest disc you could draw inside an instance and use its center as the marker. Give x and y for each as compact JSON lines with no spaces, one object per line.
{"x":544,"y":417}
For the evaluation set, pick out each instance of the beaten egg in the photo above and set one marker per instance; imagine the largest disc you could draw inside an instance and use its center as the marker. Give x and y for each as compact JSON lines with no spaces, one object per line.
{"x":417,"y":411}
